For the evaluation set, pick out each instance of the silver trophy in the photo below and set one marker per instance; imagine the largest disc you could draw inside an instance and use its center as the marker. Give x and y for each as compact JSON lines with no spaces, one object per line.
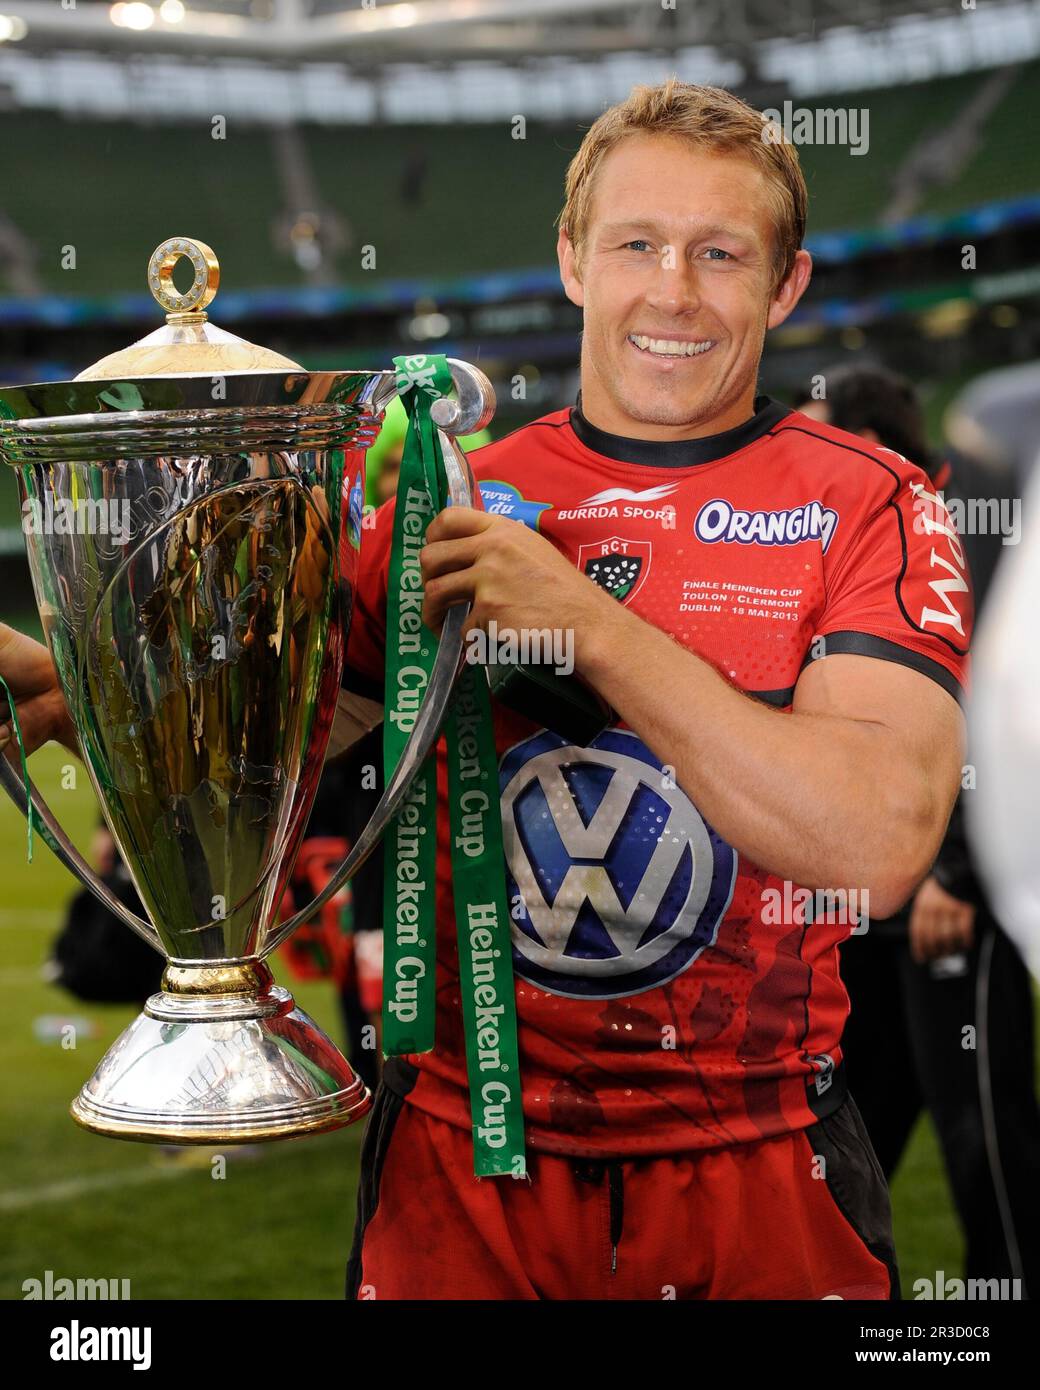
{"x":192,"y":508}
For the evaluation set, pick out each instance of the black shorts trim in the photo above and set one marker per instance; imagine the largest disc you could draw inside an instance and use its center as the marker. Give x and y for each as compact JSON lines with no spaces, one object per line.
{"x":856,"y":1183}
{"x":398,"y":1079}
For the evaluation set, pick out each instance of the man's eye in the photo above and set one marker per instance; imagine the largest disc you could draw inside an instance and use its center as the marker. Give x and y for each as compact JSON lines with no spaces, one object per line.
{"x":716,"y":253}
{"x":637,"y":245}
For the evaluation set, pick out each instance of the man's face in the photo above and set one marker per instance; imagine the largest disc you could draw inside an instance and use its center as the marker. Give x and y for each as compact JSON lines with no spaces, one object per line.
{"x":675,"y":282}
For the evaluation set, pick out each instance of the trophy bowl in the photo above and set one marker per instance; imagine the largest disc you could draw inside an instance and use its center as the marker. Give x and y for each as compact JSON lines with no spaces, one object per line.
{"x":192,"y":509}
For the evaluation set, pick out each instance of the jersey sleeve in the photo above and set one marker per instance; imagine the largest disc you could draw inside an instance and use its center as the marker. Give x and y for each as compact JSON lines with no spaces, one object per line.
{"x":366,"y":645}
{"x":899,"y":589}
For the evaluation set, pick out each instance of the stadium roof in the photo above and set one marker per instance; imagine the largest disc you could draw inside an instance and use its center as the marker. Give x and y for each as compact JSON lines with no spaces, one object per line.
{"x":422,"y":30}
{"x":345,"y":61}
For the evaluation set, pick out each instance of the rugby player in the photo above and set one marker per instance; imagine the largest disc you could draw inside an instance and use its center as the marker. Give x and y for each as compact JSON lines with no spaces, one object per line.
{"x":783,"y":641}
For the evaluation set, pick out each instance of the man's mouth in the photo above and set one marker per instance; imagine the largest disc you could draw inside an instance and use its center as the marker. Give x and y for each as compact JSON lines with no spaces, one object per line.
{"x":670,"y":347}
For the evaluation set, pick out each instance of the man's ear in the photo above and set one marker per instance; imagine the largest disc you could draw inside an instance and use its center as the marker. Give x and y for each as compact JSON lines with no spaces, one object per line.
{"x":791,"y":291}
{"x":566,"y":255}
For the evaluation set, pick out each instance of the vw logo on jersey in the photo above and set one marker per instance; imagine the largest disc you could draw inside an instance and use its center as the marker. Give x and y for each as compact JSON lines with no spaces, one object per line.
{"x":622,"y":883}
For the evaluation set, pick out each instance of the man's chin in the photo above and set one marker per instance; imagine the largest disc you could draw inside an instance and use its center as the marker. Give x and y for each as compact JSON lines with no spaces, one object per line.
{"x":669,"y":412}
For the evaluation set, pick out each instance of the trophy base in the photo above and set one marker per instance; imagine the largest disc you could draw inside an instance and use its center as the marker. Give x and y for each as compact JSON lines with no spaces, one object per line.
{"x":218,"y":1069}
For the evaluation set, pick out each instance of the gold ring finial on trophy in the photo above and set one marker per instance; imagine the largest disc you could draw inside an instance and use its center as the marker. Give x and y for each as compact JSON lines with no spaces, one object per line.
{"x":203,"y":287}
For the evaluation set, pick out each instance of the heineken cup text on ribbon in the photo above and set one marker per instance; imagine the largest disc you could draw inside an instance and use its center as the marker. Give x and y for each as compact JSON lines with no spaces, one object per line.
{"x":410,"y":854}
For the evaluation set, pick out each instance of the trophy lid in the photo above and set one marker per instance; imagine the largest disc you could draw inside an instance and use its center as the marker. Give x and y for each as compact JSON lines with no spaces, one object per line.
{"x":187,"y":344}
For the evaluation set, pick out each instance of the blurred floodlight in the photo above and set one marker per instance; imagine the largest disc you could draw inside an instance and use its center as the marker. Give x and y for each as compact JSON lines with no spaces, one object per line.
{"x":432,"y":325}
{"x":135,"y":15}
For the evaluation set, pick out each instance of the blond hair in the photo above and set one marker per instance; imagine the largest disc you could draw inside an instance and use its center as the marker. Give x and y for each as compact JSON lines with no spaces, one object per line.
{"x":708,"y":117}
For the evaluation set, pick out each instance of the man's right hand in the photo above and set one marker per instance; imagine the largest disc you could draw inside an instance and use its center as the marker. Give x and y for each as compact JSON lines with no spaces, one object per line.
{"x":940,"y":924}
{"x":27,"y":668}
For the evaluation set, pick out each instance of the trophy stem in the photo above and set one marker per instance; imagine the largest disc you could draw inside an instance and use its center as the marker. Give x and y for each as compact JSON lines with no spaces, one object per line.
{"x":233,"y":990}
{"x":221,"y":1056}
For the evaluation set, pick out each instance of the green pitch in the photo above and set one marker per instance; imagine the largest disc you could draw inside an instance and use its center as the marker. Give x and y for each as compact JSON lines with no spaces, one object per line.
{"x":278,"y":1224}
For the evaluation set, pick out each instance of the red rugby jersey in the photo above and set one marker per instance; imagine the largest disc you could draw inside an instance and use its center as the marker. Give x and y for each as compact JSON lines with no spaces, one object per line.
{"x":671,"y":994}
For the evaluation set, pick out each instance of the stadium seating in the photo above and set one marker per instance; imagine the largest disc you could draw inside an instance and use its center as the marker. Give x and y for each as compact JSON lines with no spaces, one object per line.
{"x":998,"y":168}
{"x":848,"y":191}
{"x":415,"y":193}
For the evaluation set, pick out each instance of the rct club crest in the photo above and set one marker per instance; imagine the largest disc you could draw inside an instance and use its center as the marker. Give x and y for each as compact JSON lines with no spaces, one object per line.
{"x":617,"y":565}
{"x":622,"y":882}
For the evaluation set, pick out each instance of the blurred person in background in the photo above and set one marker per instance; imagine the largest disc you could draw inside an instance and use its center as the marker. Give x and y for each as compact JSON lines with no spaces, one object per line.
{"x":994,"y":427}
{"x":96,"y":957}
{"x":942,"y":1010}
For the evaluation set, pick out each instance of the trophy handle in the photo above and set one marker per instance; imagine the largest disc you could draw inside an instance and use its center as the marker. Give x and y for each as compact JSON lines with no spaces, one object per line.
{"x":471,"y":410}
{"x":70,"y":856}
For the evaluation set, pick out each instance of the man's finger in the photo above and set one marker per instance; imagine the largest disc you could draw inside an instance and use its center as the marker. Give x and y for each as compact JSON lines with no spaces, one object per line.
{"x":444,"y":557}
{"x":32,"y":723}
{"x":951,"y":940}
{"x":444,"y":591}
{"x":455,"y":522}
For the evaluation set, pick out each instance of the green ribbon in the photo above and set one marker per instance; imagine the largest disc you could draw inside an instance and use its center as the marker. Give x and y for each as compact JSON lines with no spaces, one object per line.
{"x":410,"y":852}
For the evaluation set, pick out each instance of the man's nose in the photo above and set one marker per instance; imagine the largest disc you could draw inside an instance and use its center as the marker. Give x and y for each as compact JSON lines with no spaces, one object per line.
{"x":674,"y":289}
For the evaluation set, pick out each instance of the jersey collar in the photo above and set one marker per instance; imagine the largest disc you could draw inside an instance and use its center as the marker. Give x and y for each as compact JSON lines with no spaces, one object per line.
{"x":679,"y":453}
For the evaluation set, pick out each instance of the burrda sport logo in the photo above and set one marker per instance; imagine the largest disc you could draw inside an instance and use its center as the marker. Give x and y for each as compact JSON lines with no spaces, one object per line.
{"x":631,"y":504}
{"x":622,"y":884}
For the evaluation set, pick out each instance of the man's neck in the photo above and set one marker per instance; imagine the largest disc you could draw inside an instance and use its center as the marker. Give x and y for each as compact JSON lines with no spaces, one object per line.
{"x":606,"y":415}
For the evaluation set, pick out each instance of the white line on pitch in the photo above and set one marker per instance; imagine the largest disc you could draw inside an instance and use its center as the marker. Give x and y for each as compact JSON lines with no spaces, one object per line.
{"x":21,"y":975}
{"x":31,"y":918}
{"x":18,"y":1199}
{"x":21,"y":1198}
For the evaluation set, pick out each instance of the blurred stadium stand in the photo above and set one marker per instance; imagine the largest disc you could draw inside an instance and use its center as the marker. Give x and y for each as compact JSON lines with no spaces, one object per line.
{"x":396,"y":187}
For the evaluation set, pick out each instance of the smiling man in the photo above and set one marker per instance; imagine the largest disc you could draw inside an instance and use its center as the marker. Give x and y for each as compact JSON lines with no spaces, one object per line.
{"x":779,"y":617}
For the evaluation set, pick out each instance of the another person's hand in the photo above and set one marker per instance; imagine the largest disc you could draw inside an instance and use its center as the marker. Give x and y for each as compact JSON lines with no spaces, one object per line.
{"x":940,"y":924}
{"x":27,"y":668}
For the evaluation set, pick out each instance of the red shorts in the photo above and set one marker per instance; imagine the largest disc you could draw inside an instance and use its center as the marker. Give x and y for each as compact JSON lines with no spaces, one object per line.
{"x":801,"y":1216}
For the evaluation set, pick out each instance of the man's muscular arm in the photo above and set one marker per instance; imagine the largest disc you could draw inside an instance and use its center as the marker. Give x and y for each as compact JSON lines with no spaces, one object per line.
{"x":852,"y":789}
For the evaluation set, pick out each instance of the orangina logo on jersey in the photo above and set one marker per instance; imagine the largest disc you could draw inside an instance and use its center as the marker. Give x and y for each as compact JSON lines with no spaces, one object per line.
{"x":719,"y":520}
